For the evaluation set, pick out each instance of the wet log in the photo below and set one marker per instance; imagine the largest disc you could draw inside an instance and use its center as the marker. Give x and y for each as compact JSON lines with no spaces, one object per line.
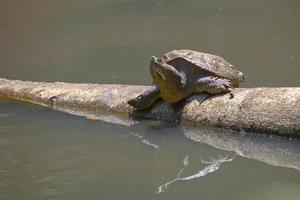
{"x":264,"y":110}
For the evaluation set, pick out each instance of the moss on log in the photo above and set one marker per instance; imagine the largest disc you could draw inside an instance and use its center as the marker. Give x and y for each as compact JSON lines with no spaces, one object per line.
{"x":266,"y":110}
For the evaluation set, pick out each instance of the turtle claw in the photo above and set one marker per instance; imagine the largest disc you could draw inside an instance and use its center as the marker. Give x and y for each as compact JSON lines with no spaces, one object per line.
{"x":214,"y":85}
{"x":223,"y":85}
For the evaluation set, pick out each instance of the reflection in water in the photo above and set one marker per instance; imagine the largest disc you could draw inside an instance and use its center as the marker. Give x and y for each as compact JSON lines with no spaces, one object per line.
{"x":51,"y":155}
{"x":145,"y":141}
{"x":270,"y":149}
{"x":110,"y":118}
{"x":273,"y":150}
{"x":214,"y":165}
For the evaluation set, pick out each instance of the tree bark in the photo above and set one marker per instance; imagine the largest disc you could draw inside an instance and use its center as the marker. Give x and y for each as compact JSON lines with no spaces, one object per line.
{"x":265,"y":110}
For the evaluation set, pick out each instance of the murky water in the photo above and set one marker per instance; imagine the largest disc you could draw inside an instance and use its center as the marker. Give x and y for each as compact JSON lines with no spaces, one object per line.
{"x":45,"y":154}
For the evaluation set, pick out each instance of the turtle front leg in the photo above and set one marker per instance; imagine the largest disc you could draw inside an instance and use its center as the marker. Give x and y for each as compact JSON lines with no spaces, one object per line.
{"x":213,"y":85}
{"x":146,"y":99}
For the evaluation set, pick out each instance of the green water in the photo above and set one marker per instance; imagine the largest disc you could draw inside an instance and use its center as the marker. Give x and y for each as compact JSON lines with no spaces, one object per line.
{"x":45,"y":154}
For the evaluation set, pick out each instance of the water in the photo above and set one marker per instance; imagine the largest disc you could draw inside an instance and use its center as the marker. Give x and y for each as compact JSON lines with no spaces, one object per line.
{"x":45,"y":154}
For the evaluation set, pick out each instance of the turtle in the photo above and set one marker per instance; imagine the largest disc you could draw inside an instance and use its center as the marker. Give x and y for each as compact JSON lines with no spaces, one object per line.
{"x":181,"y":73}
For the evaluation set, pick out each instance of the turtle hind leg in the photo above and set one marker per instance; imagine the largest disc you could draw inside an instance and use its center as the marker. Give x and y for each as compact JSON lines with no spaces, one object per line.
{"x":213,"y":85}
{"x":146,"y":99}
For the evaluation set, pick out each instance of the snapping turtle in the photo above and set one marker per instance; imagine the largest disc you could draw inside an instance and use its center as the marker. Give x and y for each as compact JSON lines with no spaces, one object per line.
{"x":181,"y":73}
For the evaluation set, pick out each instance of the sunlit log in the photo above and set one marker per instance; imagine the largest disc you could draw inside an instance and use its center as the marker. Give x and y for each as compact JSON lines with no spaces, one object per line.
{"x":266,"y":110}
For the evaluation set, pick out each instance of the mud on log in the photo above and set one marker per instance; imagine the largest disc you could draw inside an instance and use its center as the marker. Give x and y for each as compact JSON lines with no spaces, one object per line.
{"x":266,"y":110}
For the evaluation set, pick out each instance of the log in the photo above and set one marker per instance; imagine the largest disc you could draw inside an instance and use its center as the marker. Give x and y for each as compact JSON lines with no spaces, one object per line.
{"x":264,"y":110}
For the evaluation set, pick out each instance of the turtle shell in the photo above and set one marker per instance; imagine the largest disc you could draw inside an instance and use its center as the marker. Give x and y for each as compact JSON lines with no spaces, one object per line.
{"x":214,"y":64}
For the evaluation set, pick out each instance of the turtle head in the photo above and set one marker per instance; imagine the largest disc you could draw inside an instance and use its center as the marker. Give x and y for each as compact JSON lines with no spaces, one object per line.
{"x":164,"y":75}
{"x":241,"y":77}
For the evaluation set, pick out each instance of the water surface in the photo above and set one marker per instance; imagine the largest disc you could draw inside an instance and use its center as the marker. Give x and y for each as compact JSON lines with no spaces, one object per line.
{"x":45,"y":154}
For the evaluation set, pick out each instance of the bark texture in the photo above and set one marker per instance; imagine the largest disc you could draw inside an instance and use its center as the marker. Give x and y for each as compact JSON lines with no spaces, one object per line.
{"x":266,"y":110}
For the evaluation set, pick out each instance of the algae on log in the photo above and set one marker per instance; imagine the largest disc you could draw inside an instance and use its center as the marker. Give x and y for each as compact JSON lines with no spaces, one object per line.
{"x":266,"y":110}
